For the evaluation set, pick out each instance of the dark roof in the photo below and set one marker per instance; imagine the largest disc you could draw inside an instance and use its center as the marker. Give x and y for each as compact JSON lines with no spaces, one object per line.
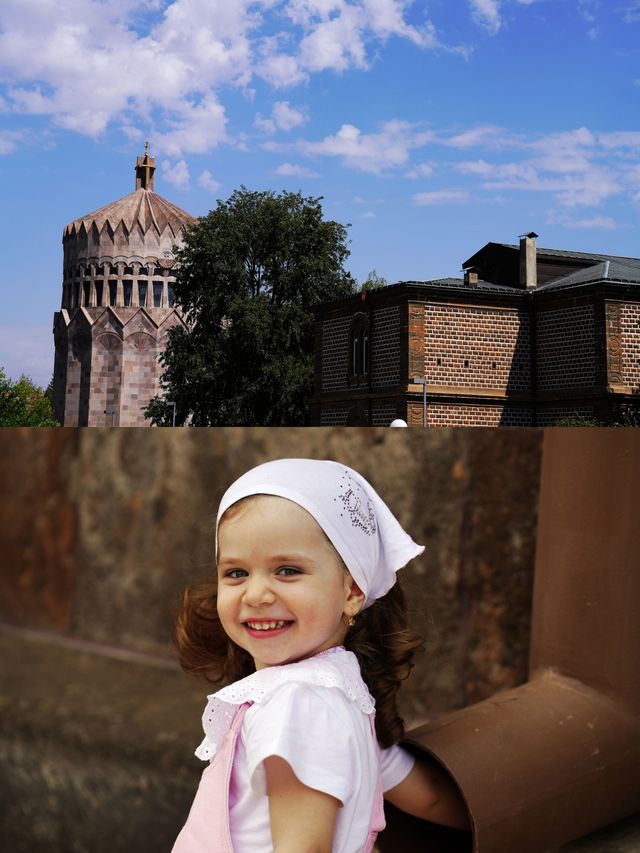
{"x":566,"y":253}
{"x":458,"y":284}
{"x":612,"y":269}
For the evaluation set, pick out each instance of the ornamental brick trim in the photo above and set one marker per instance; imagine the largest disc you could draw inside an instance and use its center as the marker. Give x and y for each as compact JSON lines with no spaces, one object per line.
{"x":416,"y":339}
{"x":613,"y":326}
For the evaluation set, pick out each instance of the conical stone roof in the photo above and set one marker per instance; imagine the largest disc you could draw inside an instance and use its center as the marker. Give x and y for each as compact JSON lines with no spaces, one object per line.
{"x":143,"y":208}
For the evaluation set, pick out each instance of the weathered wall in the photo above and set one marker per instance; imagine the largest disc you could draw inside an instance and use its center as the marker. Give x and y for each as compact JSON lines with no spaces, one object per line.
{"x":109,"y":526}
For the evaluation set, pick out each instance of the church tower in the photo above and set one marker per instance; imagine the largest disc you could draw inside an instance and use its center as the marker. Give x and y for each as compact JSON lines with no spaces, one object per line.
{"x":117,"y":306}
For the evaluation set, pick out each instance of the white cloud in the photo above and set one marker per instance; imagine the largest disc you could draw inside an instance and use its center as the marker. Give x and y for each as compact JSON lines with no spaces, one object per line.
{"x":370,"y":152}
{"x":386,"y":18}
{"x":194,"y":127}
{"x":178,"y":175}
{"x":631,"y":12}
{"x":586,"y":9}
{"x":157,"y":68}
{"x":579,"y":167}
{"x":483,"y":135}
{"x":565,"y":152}
{"x":442,"y":197}
{"x":335,"y":43}
{"x":131,"y":132}
{"x":283,"y":117}
{"x":282,"y":70}
{"x":337,"y":35}
{"x":266,"y":125}
{"x":598,"y":223}
{"x":291,"y":170}
{"x":420,"y":170}
{"x":9,"y":140}
{"x":487,"y":14}
{"x":84,"y":64}
{"x":368,"y":214}
{"x":287,"y":117}
{"x":509,"y":171}
{"x":208,"y":182}
{"x":629,"y":139}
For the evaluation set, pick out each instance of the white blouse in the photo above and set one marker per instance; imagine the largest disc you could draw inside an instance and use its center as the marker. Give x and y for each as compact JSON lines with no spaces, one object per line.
{"x":315,"y":715}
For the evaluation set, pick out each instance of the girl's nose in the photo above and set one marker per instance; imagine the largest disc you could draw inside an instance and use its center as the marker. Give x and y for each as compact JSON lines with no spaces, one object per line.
{"x":258,"y":591}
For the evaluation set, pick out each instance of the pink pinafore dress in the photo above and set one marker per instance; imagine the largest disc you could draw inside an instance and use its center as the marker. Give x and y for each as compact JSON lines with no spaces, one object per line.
{"x":207,"y":828}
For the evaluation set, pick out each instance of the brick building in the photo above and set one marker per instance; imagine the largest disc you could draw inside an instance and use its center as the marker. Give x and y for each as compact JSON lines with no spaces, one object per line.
{"x":117,"y":306}
{"x":529,"y":336}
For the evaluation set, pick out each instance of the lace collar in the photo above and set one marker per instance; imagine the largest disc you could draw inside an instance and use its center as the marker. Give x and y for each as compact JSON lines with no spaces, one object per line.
{"x":334,"y":667}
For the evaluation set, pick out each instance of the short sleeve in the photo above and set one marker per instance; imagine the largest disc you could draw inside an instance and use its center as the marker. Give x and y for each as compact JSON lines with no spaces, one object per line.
{"x":396,"y":764}
{"x":303,"y":725}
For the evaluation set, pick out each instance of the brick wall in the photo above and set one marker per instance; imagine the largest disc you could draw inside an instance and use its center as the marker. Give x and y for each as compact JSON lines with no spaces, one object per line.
{"x":334,"y":416}
{"x":566,"y":347}
{"x":480,"y":347}
{"x":335,"y":346}
{"x":386,"y":347}
{"x":630,"y":329}
{"x":383,"y":413}
{"x":550,"y":415}
{"x":459,"y":415}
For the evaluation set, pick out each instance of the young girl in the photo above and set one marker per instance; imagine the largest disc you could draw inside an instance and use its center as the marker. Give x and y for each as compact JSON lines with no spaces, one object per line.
{"x":308,"y":622}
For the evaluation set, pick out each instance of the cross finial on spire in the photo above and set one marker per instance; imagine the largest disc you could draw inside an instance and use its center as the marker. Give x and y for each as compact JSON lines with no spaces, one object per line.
{"x":145,"y":167}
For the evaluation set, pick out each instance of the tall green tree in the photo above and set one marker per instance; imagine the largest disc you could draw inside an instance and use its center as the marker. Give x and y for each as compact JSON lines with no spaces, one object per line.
{"x":249,"y":275}
{"x":24,"y":404}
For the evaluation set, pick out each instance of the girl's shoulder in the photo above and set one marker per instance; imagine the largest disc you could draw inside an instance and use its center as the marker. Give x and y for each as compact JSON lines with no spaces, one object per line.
{"x":327,"y":682}
{"x":336,"y":669}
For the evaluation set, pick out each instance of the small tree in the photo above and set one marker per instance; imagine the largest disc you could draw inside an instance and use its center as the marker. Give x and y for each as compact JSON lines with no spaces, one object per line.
{"x":249,"y":275}
{"x":24,"y":404}
{"x":373,"y":282}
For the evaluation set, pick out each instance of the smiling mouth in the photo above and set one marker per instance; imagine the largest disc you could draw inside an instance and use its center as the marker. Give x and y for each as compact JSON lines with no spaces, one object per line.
{"x":267,"y":626}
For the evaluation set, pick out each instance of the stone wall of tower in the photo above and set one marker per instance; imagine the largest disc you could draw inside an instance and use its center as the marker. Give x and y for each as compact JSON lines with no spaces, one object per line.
{"x":117,"y":306}
{"x":112,"y":369}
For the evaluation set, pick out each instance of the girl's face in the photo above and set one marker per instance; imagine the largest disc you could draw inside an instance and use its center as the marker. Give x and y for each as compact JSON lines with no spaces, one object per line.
{"x":282,"y":589}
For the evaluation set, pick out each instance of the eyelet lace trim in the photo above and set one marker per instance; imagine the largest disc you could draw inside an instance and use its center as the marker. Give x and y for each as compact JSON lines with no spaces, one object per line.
{"x":335,"y":667}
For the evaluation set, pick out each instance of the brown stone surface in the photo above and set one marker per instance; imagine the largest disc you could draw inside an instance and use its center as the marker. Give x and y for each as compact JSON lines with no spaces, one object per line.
{"x":97,"y":753}
{"x":38,"y":527}
{"x":127,"y":516}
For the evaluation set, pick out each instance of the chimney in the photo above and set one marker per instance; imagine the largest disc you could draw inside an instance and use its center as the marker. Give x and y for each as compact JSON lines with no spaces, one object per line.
{"x":528,"y":264}
{"x":471,"y":276}
{"x":145,"y":167}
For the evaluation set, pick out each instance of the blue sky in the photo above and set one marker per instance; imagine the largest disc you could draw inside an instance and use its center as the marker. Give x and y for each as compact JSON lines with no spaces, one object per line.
{"x":432,"y":127}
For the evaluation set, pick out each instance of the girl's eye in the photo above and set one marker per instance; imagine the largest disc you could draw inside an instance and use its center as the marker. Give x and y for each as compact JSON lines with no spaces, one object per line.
{"x":288,"y":571}
{"x":235,"y":574}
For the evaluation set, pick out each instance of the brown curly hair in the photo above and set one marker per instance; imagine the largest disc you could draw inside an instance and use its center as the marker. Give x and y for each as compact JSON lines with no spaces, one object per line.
{"x":381,"y":640}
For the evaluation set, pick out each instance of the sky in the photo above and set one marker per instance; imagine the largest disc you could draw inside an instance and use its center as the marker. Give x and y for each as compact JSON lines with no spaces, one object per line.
{"x":431,"y":127}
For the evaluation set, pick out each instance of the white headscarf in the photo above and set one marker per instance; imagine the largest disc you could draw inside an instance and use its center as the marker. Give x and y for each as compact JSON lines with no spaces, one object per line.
{"x":356,"y":520}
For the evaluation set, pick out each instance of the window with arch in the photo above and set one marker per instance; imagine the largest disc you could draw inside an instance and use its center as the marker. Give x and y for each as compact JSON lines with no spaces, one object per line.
{"x":359,"y":347}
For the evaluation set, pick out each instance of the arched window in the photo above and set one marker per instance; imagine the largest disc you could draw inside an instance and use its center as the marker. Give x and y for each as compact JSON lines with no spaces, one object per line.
{"x":359,"y":347}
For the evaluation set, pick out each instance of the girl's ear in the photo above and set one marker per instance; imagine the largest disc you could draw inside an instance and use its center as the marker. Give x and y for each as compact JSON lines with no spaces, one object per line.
{"x":355,"y":597}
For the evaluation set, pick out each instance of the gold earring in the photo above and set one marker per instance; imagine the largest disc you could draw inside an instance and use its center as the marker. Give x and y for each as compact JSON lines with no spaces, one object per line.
{"x":350,"y":622}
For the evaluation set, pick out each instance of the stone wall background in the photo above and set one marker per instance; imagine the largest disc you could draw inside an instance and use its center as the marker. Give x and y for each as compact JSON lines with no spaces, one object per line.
{"x":101,"y":529}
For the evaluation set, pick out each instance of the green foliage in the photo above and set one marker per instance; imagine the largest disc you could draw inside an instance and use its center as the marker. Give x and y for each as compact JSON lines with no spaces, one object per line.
{"x":577,"y":421}
{"x":374,"y":282}
{"x":250,"y":273}
{"x":24,"y":404}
